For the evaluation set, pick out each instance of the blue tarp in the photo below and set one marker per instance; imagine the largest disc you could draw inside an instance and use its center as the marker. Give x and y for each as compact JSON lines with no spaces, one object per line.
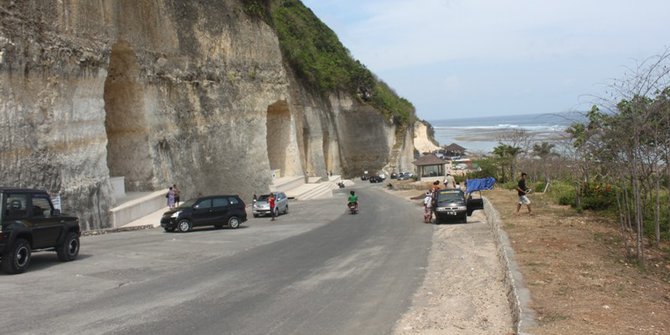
{"x":480,"y":184}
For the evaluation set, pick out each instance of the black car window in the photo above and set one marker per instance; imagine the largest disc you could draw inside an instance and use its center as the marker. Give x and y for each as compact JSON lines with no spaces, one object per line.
{"x":219,"y":202}
{"x":207,"y":203}
{"x":450,"y":196}
{"x":233,"y":201}
{"x":16,"y":206}
{"x":41,"y":206}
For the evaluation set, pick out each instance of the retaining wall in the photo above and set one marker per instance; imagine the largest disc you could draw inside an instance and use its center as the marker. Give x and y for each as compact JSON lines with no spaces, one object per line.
{"x":518,"y":296}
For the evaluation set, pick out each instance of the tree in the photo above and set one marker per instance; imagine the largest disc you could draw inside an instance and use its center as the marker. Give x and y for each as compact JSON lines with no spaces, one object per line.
{"x":544,"y":150}
{"x":507,"y":156}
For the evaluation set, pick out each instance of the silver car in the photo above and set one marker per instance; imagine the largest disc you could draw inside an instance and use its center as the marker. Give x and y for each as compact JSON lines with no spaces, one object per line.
{"x":262,"y":207}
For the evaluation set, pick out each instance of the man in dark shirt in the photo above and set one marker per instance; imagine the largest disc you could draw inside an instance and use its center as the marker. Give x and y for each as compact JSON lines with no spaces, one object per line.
{"x":521,"y":191}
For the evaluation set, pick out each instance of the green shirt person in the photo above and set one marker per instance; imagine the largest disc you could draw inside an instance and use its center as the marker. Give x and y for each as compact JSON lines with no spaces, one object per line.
{"x":353,"y":198}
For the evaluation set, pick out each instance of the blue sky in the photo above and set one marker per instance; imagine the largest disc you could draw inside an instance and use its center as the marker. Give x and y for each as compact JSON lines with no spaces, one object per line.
{"x":471,"y":58}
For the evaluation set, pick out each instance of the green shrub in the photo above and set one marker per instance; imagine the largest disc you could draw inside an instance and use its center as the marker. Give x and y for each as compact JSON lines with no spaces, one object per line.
{"x":563,"y":193}
{"x":322,"y":63}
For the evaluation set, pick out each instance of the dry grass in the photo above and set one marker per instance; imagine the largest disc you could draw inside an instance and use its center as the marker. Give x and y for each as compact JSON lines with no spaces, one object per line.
{"x":579,"y":279}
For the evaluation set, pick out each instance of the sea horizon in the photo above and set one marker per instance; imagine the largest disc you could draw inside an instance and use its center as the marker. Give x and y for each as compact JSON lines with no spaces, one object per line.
{"x":482,"y":134}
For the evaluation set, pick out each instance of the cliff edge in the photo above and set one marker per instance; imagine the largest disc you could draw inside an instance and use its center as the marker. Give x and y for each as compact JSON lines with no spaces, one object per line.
{"x":200,"y":94}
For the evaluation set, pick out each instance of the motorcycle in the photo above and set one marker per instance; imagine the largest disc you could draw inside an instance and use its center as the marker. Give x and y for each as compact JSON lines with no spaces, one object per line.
{"x":353,"y":208}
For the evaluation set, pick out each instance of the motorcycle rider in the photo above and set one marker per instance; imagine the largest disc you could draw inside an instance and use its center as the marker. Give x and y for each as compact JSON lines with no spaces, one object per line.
{"x":353,"y":200}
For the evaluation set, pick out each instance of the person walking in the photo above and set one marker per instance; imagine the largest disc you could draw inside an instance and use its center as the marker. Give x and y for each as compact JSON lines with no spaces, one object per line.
{"x":522,"y":191}
{"x":271,"y":202}
{"x":170,"y":198}
{"x":176,"y":195}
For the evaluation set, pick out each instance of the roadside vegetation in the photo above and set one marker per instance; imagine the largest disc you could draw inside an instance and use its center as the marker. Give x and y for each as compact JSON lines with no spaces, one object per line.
{"x":321,"y":62}
{"x":616,"y":162}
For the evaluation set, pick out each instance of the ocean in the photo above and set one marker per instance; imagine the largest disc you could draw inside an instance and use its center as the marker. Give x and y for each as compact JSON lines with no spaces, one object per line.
{"x":482,"y":134}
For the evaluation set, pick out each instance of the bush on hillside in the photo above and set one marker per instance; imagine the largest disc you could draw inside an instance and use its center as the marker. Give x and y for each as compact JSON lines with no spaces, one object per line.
{"x":320,"y":60}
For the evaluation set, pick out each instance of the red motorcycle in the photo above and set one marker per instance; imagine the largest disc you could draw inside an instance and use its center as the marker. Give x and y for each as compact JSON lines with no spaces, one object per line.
{"x":353,"y":208}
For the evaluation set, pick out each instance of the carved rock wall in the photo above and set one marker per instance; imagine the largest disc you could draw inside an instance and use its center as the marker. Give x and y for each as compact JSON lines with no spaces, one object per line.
{"x":163,"y":92}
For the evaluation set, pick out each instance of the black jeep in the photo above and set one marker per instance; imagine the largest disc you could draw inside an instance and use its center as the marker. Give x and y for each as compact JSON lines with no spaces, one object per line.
{"x":455,"y":205}
{"x":29,"y":222}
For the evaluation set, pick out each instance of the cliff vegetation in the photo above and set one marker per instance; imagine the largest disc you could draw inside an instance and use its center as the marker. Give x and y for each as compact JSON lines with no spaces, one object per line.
{"x":320,"y":60}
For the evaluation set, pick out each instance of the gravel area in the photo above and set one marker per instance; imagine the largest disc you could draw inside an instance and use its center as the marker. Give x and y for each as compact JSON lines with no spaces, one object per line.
{"x":463,"y":291}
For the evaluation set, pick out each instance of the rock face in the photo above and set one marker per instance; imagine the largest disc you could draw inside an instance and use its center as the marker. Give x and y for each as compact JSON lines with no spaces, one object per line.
{"x":424,"y":141}
{"x":163,"y":92}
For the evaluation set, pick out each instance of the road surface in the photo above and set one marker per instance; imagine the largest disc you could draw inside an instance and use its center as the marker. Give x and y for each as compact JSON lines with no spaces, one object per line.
{"x":316,"y":270}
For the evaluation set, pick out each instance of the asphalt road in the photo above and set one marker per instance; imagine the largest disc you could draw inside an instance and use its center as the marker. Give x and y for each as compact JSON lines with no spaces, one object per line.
{"x":316,"y":270}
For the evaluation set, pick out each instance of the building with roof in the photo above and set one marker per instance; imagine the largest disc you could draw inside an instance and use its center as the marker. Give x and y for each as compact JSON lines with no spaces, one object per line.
{"x":429,"y":166}
{"x":453,"y":150}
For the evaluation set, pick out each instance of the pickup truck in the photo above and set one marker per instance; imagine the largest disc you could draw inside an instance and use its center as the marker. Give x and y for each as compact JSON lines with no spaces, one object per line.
{"x":29,"y":222}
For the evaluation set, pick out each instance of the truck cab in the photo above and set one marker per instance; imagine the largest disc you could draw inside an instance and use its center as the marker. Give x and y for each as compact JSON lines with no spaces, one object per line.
{"x":29,"y":222}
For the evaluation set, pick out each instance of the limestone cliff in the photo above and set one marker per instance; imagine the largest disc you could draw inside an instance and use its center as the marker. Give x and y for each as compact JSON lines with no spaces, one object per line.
{"x":163,"y":92}
{"x":424,"y":137}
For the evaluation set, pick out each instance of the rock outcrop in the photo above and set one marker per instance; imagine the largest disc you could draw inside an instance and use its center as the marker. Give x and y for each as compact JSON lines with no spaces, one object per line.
{"x":163,"y":92}
{"x":424,"y":137}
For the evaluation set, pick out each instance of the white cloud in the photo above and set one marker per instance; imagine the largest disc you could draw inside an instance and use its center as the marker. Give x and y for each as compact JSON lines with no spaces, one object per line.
{"x":400,"y":33}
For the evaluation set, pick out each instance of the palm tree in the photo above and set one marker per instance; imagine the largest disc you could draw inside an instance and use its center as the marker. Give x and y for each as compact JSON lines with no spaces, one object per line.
{"x":507,"y":156}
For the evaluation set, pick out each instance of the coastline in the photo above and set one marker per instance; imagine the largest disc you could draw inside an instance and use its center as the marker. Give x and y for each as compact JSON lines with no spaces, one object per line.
{"x":482,"y":134}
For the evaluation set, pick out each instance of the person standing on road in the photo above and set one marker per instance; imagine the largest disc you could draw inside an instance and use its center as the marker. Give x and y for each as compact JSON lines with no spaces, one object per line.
{"x":271,"y":202}
{"x":176,"y":195}
{"x":427,"y":205}
{"x":449,"y":181}
{"x":170,"y":198}
{"x":522,"y":190}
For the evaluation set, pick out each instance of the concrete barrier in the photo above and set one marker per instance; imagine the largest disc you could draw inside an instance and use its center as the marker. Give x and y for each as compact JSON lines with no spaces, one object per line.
{"x":137,"y":208}
{"x":518,"y":295}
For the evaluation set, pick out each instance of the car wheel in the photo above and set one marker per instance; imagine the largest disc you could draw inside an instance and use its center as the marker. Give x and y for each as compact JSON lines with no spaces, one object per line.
{"x":464,"y":219}
{"x":69,"y":250}
{"x":169,"y":230}
{"x":286,"y":210}
{"x":234,"y":222}
{"x":256,"y":215}
{"x":17,"y":258}
{"x":184,"y":225}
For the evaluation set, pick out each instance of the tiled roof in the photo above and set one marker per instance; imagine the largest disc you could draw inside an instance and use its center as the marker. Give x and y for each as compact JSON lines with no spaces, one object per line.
{"x":428,"y":160}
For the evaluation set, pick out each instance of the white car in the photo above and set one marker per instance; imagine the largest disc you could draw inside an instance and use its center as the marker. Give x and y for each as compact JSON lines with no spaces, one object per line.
{"x":262,"y":207}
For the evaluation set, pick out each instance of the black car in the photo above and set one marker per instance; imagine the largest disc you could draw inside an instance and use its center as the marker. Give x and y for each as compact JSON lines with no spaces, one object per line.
{"x":452,"y":205}
{"x":29,"y":222}
{"x":213,"y":210}
{"x":376,"y":179}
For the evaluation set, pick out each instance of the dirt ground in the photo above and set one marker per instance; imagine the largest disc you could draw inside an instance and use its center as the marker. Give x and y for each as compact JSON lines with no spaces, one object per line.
{"x":579,"y":279}
{"x":573,"y":264}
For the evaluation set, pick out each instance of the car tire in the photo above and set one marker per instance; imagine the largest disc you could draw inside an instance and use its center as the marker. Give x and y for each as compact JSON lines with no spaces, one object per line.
{"x":69,"y":250}
{"x":17,"y":258}
{"x":464,"y":219}
{"x":234,"y":222}
{"x":169,"y":230}
{"x":286,"y":210}
{"x":184,"y":225}
{"x":256,"y":215}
